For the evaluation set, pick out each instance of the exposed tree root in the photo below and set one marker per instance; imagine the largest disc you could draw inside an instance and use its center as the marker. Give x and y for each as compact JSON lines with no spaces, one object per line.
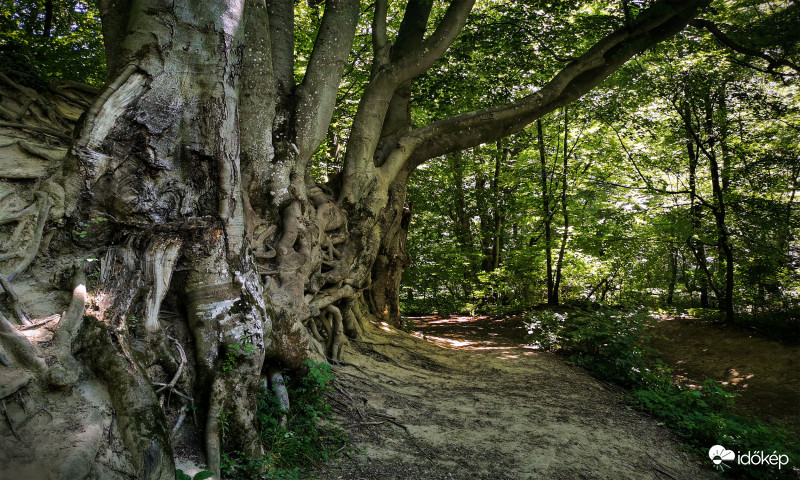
{"x":140,"y":420}
{"x":181,"y":418}
{"x":33,"y":247}
{"x":73,"y":318}
{"x":20,"y":348}
{"x":337,"y":339}
{"x":34,"y":128}
{"x":13,"y":300}
{"x":11,"y":424}
{"x":17,"y":216}
{"x":182,"y":353}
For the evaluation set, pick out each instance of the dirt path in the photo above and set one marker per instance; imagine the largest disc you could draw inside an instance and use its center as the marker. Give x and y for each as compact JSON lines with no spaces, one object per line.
{"x":482,"y":409}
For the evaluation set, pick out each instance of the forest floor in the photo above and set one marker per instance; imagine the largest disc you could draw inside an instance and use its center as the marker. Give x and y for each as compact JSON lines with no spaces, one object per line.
{"x":762,"y":371}
{"x":463,"y":400}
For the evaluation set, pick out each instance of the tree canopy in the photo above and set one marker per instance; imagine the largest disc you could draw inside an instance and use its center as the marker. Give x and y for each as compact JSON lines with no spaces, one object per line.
{"x":684,"y":156}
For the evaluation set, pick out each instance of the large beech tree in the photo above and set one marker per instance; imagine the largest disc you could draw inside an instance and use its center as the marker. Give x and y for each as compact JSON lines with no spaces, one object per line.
{"x":191,"y":174}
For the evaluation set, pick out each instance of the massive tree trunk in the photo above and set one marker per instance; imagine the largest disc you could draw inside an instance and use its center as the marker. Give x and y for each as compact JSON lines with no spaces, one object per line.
{"x":383,"y":294}
{"x":198,"y":249}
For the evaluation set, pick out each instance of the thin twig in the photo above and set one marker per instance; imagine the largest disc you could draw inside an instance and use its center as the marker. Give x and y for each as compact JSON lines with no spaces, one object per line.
{"x":41,"y":322}
{"x":111,"y":426}
{"x":30,"y":416}
{"x":358,"y":424}
{"x":376,"y":343}
{"x":122,"y":471}
{"x":657,"y":466}
{"x":171,"y":384}
{"x":176,"y":392}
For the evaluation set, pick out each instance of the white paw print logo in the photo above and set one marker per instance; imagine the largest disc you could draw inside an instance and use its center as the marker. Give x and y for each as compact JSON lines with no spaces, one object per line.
{"x":719,"y":454}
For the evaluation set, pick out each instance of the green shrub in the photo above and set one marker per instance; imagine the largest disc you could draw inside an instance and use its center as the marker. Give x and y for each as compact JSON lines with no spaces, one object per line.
{"x":202,"y":475}
{"x":308,"y":437}
{"x":611,"y":345}
{"x":545,"y":329}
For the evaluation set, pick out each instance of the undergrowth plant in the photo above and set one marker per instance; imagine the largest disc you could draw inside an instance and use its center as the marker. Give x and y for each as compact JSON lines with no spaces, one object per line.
{"x":613,"y":346}
{"x":202,"y":475}
{"x":308,"y":436}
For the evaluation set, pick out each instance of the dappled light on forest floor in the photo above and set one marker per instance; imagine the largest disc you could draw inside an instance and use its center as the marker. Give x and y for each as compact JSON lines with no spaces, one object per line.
{"x":449,"y":342}
{"x":480,"y":332}
{"x":762,"y":371}
{"x":506,"y":335}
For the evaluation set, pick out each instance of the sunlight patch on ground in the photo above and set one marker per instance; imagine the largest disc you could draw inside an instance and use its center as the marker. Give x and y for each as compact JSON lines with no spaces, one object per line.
{"x":455,"y":343}
{"x":456,"y":320}
{"x":468,"y":332}
{"x":40,"y":329}
{"x":461,"y":344}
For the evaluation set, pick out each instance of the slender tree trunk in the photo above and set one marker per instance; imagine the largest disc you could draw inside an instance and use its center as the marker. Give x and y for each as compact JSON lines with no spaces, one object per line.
{"x":694,"y":242}
{"x":463,"y":228}
{"x":497,"y":205}
{"x":48,"y":18}
{"x":673,"y":275}
{"x":564,"y":211}
{"x":720,"y":213}
{"x":547,"y":216}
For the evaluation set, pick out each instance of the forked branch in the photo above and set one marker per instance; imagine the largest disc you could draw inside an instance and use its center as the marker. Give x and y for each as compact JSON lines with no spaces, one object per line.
{"x":660,"y":21}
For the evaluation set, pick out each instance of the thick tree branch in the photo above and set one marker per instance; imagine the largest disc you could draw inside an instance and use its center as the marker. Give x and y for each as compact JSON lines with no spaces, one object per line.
{"x":281,"y":29}
{"x":410,"y":37}
{"x":115,"y":15}
{"x":405,"y":65}
{"x":657,"y":23}
{"x":380,"y":42}
{"x":419,"y":59}
{"x":316,"y":96}
{"x":772,"y":62}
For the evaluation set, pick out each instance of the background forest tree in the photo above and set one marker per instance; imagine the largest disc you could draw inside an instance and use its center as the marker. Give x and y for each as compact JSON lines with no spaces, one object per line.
{"x":232,"y":202}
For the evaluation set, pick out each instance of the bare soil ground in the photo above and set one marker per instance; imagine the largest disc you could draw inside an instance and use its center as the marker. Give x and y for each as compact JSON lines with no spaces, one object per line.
{"x":466,"y":404}
{"x":763,"y":372}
